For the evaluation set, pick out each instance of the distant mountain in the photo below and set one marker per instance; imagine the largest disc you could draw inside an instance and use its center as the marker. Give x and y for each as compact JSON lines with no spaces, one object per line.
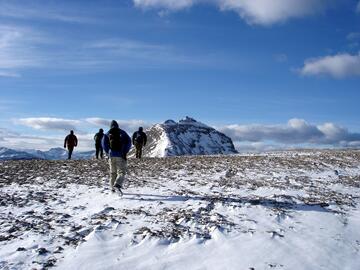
{"x":10,"y":154}
{"x":52,"y":154}
{"x":186,"y":137}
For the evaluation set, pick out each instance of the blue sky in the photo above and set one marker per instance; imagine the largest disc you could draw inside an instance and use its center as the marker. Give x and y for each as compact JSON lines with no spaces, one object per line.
{"x":245,"y":67}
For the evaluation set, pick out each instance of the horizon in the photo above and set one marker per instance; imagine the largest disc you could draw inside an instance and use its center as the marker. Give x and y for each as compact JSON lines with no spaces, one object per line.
{"x":271,"y":77}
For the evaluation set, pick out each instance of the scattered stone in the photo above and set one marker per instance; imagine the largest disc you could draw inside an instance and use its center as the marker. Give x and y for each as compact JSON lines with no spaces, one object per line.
{"x":42,"y":251}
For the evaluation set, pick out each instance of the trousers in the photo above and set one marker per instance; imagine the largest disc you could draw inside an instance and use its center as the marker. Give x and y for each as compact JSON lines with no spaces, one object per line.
{"x":118,"y":167}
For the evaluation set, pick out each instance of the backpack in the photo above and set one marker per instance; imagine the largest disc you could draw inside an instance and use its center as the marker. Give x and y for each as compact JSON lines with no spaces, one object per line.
{"x":71,"y":140}
{"x":98,"y":137}
{"x":139,"y":138}
{"x":115,"y":139}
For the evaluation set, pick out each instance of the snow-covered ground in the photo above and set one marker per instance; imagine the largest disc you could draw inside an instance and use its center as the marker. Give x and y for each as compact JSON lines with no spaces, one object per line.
{"x":283,"y":210}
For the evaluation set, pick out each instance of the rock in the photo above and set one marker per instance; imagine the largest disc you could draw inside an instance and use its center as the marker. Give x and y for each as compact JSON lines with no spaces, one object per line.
{"x":42,"y":251}
{"x":58,"y":249}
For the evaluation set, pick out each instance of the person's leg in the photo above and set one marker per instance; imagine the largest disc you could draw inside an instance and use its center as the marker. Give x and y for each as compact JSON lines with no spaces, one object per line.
{"x":138,"y":149}
{"x":121,"y":172}
{"x":101,"y":152}
{"x":70,"y":152}
{"x":113,"y":171}
{"x":140,"y":152}
{"x":97,"y":151}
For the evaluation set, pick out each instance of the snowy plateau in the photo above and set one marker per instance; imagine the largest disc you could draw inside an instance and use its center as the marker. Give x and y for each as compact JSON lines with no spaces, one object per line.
{"x":281,"y":210}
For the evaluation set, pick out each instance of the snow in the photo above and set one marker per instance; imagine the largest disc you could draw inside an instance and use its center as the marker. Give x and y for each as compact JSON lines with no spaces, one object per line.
{"x":284,"y":210}
{"x":160,"y":149}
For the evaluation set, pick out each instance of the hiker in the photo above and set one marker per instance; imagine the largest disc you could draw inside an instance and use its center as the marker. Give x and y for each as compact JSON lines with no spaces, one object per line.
{"x":98,"y":147}
{"x":70,"y":141}
{"x":139,"y":140}
{"x":116,"y":143}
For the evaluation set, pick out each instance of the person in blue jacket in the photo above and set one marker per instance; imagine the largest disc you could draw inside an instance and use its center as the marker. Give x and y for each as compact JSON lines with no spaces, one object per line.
{"x":116,"y":144}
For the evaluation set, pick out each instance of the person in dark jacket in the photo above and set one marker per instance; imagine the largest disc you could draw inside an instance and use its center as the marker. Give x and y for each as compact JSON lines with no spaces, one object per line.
{"x":139,"y":140}
{"x":70,"y":142}
{"x":116,"y":143}
{"x":98,"y":147}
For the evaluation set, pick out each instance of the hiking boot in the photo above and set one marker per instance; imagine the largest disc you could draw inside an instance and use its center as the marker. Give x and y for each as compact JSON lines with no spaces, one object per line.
{"x":117,"y":188}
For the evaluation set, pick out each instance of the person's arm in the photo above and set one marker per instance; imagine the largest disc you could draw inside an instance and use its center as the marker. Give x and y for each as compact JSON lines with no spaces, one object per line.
{"x":105,"y":144}
{"x":145,"y":139}
{"x":133,"y":138}
{"x":75,"y":141}
{"x":127,"y":145}
{"x":66,"y":138}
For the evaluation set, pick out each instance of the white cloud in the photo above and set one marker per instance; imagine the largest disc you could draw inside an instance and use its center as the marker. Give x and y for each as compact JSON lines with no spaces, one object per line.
{"x":338,"y":66}
{"x":48,"y":123}
{"x":353,"y":36}
{"x":6,"y":133}
{"x":167,"y":4}
{"x":24,"y":48}
{"x":9,"y":74}
{"x":296,"y":131}
{"x":268,"y":12}
{"x":41,"y":11}
{"x":16,"y":140}
{"x":281,"y":57}
{"x":263,"y":12}
{"x":22,"y":141}
{"x":127,"y":125}
{"x":130,"y":52}
{"x":18,"y":49}
{"x":60,"y":124}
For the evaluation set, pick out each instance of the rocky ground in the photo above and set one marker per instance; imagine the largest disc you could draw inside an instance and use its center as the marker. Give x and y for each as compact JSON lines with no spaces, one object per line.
{"x":57,"y":213}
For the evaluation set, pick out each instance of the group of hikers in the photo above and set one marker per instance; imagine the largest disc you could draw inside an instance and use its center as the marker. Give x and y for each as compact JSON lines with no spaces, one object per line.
{"x":116,"y":143}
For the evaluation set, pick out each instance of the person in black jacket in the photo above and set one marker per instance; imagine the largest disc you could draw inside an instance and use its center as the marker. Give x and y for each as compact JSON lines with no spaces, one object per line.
{"x":139,"y":140}
{"x":116,"y":144}
{"x":71,"y":141}
{"x":98,"y":147}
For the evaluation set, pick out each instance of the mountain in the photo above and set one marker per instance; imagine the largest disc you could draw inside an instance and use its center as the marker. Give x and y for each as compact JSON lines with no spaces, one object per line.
{"x":186,"y":137}
{"x":57,"y":153}
{"x":10,"y":154}
{"x":52,"y":154}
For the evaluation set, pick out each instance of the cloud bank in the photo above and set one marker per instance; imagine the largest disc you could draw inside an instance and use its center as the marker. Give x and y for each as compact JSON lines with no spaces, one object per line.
{"x":295,"y":132}
{"x":48,"y":123}
{"x":338,"y":66}
{"x":263,"y":12}
{"x":84,"y":128}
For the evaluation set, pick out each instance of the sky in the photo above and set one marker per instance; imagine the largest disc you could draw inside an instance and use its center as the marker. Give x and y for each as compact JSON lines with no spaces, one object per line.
{"x":270,"y":74}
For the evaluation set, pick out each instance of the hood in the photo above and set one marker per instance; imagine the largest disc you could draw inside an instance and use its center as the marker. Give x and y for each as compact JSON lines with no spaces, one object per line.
{"x":114,"y":124}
